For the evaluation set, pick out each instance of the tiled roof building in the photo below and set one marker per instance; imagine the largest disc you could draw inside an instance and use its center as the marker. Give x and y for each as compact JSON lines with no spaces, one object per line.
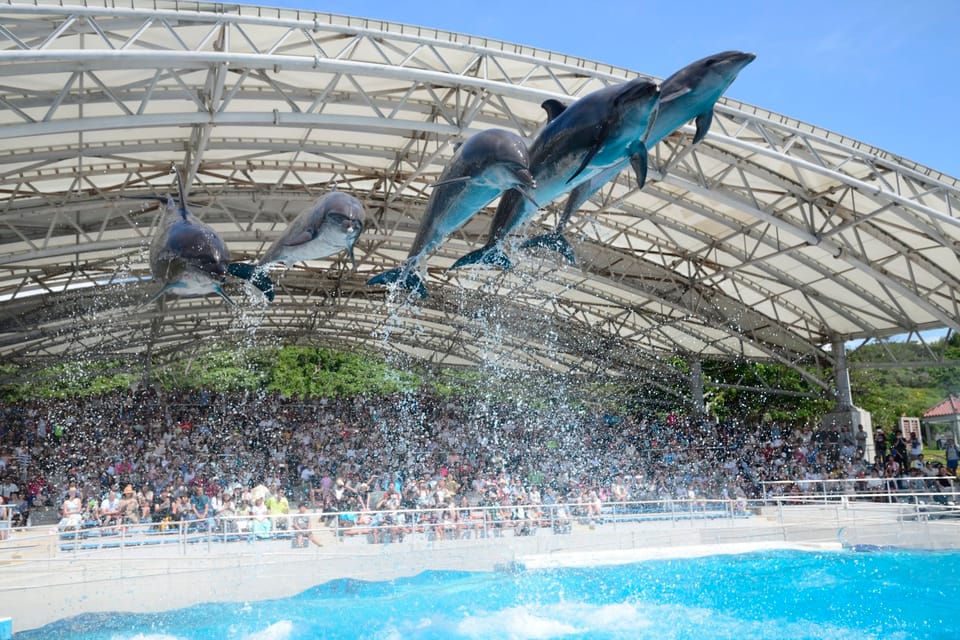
{"x":949,"y":407}
{"x":943,"y":417}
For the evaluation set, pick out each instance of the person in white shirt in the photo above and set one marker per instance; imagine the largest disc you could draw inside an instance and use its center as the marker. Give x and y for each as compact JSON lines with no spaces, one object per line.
{"x":110,"y":509}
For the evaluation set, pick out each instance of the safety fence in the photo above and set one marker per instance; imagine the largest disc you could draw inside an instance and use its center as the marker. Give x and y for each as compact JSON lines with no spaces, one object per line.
{"x":309,"y":528}
{"x":941,"y":490}
{"x":435,"y":524}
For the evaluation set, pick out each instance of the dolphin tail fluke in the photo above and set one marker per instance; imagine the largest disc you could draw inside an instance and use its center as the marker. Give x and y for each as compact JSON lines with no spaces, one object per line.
{"x":409,"y":279}
{"x":488,"y":256}
{"x":553,"y":241}
{"x":256,"y":275}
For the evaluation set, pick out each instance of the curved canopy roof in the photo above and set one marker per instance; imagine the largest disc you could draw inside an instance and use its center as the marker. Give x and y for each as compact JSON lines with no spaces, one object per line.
{"x":771,"y":239}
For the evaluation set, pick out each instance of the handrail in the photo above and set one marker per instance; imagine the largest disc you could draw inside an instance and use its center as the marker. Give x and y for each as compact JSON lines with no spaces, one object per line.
{"x":452,"y":523}
{"x":890,"y":488}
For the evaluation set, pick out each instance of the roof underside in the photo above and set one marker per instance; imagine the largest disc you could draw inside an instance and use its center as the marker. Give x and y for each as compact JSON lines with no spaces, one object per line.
{"x":770,"y":240}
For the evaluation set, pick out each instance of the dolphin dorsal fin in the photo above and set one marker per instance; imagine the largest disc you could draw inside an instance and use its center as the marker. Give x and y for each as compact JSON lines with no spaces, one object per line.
{"x":553,"y":108}
{"x":181,"y":190}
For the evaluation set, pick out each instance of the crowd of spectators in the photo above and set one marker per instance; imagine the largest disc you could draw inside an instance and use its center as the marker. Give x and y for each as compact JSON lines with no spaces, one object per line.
{"x":158,"y":456}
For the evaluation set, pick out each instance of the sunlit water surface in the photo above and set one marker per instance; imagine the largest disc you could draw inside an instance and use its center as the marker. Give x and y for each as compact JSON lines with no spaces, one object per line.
{"x":783,"y":595}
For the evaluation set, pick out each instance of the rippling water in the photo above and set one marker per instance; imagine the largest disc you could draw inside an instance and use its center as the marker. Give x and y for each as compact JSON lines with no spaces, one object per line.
{"x":784,"y":595}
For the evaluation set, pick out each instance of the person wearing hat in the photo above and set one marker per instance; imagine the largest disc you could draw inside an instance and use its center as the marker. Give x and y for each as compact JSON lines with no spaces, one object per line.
{"x":129,"y":506}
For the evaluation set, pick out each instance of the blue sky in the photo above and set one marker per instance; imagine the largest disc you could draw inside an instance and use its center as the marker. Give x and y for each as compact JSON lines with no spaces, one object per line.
{"x":883,"y":72}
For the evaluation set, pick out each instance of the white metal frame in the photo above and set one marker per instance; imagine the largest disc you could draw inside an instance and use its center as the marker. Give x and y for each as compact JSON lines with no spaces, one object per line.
{"x":772,"y":239}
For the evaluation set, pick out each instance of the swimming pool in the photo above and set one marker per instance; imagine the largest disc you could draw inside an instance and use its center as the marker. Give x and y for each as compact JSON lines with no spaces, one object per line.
{"x":774,"y":594}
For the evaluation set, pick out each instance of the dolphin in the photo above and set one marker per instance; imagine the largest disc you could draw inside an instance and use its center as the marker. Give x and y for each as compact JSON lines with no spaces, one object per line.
{"x":328,"y":226}
{"x":482,"y":168}
{"x":579,"y":141}
{"x":690,"y":93}
{"x":186,"y":256}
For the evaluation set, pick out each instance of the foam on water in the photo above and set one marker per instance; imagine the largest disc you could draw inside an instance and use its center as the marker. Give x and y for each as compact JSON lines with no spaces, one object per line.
{"x":782,"y":595}
{"x":276,"y":631}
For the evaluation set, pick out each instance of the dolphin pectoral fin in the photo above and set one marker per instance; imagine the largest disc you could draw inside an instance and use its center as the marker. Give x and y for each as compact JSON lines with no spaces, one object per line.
{"x":404,"y":277}
{"x":156,"y":296}
{"x":594,"y":150}
{"x":673,"y":95}
{"x":452,"y":181}
{"x":639,"y":163}
{"x":576,"y":198}
{"x":487,"y":256}
{"x":527,"y":195}
{"x":553,"y":241}
{"x":301,"y":238}
{"x":553,"y":108}
{"x":703,"y":122}
{"x":353,"y":259}
{"x":220,"y":293}
{"x":256,"y":275}
{"x":586,"y":161}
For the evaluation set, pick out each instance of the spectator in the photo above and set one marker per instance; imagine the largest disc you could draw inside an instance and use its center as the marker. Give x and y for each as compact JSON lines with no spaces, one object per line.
{"x":128,"y":507}
{"x":162,"y":508}
{"x":952,"y":452}
{"x":200,"y":510}
{"x":880,"y":444}
{"x":915,"y":446}
{"x":261,"y":525}
{"x":8,"y":488}
{"x":303,"y":530}
{"x":110,"y":509}
{"x":861,"y":438}
{"x":71,"y":512}
{"x":19,"y":509}
{"x":279,"y":507}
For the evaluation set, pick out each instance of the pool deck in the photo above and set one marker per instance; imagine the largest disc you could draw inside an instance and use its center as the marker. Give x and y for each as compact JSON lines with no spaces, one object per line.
{"x":40,"y":582}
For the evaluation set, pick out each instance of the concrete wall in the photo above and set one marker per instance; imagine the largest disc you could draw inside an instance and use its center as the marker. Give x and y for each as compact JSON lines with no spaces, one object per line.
{"x":40,"y":584}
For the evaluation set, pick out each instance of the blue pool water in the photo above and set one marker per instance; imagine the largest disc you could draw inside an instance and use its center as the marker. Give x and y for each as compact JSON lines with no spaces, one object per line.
{"x":782,"y":595}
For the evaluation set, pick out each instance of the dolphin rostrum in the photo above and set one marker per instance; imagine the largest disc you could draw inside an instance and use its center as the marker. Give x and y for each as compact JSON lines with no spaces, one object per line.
{"x":484,"y":166}
{"x":590,"y":135}
{"x":328,"y":226}
{"x":690,"y":93}
{"x":187,"y":257}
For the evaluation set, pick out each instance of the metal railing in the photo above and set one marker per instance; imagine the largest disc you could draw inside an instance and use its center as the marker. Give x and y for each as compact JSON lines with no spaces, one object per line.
{"x":428,"y":524}
{"x":876,"y":489}
{"x":468,"y":522}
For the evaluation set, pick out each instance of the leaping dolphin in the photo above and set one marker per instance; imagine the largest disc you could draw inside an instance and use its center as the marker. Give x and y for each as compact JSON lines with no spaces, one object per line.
{"x":186,"y":256}
{"x":690,"y":93}
{"x":484,"y":166}
{"x":330,"y":225}
{"x":590,"y":135}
